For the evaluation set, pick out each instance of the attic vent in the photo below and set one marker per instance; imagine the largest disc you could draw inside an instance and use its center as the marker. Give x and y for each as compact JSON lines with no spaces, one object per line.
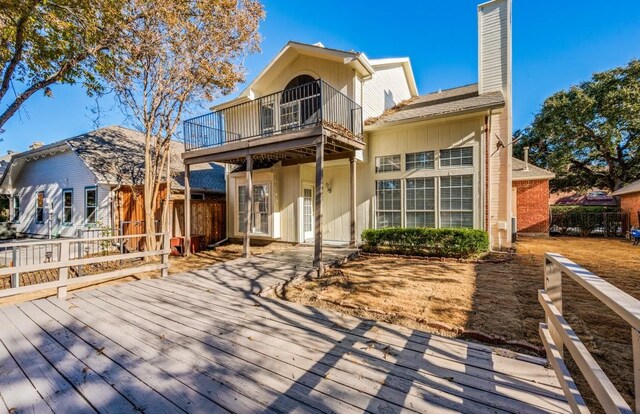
{"x":319,"y":44}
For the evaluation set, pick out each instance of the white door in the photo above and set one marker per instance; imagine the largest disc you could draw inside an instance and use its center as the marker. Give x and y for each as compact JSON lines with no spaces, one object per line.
{"x":307,"y":212}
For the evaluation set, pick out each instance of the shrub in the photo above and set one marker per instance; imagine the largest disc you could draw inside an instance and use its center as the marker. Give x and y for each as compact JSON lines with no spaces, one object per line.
{"x":426,"y":241}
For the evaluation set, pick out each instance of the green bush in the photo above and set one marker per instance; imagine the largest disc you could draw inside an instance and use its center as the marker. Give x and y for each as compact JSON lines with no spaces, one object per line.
{"x":426,"y":241}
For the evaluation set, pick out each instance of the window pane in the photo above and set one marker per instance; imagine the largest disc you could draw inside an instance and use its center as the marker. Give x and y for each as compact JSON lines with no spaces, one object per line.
{"x":67,"y":205}
{"x":420,"y":202}
{"x":456,"y":201}
{"x":90,"y":203}
{"x":419,"y":161}
{"x":456,"y":157}
{"x":242,"y":209}
{"x":388,"y":203}
{"x":388,"y":163}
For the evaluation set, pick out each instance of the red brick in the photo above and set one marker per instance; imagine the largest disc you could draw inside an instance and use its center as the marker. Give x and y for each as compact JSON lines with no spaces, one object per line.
{"x":630,"y":203}
{"x":533,"y":206}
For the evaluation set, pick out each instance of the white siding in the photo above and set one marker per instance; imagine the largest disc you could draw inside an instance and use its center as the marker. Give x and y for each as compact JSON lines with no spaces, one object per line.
{"x":494,"y":35}
{"x":384,"y":90}
{"x":52,"y":174}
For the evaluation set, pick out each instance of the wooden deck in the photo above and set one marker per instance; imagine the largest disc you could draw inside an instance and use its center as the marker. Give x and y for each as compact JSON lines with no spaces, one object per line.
{"x":205,"y":342}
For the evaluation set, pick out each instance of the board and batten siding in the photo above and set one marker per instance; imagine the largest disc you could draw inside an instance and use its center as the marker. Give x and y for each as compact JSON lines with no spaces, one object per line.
{"x":493,"y":50}
{"x":386,"y":88}
{"x":52,"y":174}
{"x":417,"y":137}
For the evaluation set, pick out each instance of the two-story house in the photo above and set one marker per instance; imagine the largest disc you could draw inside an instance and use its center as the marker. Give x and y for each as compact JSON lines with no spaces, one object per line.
{"x":325,"y":143}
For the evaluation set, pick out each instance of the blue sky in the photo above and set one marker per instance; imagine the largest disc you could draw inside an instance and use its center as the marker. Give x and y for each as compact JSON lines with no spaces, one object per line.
{"x":555,"y":44}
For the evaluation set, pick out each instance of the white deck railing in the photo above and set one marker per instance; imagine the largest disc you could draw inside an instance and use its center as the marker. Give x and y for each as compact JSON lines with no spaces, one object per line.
{"x":62,"y":254}
{"x":556,"y":334}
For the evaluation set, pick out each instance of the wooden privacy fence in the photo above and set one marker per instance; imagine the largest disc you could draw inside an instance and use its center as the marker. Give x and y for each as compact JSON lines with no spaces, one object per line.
{"x":556,"y":334}
{"x":61,"y":256}
{"x":208,"y":218}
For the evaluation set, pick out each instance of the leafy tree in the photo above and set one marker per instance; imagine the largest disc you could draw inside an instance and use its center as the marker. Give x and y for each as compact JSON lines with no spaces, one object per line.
{"x":589,"y":135}
{"x":44,"y":42}
{"x":174,"y":55}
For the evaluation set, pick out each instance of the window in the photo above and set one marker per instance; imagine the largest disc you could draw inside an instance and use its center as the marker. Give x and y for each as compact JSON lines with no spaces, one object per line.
{"x":419,"y":161}
{"x":259,"y":212}
{"x":90,"y":204}
{"x":456,"y":157}
{"x":388,"y":163}
{"x":420,"y":202}
{"x":266,"y":118}
{"x":4,"y":208}
{"x":456,"y":201}
{"x":16,"y":208}
{"x":290,"y":115}
{"x":67,"y":206}
{"x":388,"y":204}
{"x":40,"y":207}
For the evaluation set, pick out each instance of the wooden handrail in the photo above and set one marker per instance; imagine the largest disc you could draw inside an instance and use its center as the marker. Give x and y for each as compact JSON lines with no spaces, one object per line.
{"x":30,"y":243}
{"x":556,"y":333}
{"x":64,"y":263}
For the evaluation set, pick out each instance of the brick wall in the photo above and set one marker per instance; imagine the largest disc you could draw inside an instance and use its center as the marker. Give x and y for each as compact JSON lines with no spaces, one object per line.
{"x":533,"y":206}
{"x":630,"y":203}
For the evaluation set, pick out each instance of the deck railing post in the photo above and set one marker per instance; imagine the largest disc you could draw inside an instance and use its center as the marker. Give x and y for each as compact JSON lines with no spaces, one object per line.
{"x":635,"y":339}
{"x":63,"y":272}
{"x":553,"y":287}
{"x":15,"y":277}
{"x":166,"y":248}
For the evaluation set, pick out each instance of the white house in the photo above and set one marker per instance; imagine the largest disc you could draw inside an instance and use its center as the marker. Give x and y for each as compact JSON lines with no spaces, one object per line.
{"x":332,"y":136}
{"x":85,"y":182}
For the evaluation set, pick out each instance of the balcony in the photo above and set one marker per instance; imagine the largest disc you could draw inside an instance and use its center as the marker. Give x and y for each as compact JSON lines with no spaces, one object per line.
{"x":293,"y":112}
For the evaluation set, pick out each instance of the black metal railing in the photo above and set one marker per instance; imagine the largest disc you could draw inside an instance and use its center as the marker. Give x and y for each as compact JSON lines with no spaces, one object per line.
{"x":311,"y":104}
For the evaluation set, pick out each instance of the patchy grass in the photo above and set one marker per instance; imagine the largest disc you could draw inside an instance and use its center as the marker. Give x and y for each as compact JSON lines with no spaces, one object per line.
{"x":494,"y":302}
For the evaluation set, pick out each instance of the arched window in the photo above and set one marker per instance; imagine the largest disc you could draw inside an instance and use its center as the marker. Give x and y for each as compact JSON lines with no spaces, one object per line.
{"x":300,"y":102}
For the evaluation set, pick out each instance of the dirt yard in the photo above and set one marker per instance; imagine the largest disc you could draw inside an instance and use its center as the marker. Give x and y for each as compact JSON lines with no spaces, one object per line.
{"x":495,"y":303}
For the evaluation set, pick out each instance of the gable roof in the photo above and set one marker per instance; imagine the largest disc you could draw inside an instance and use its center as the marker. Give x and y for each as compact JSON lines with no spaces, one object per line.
{"x":521,"y":172}
{"x":433,"y":105}
{"x":356,"y":60}
{"x":115,"y":156}
{"x":634,"y":187}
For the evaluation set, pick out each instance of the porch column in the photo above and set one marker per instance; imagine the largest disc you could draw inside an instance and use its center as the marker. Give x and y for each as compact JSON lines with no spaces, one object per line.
{"x":187,"y":212}
{"x":248,"y":193}
{"x":317,"y":255}
{"x":352,"y":199}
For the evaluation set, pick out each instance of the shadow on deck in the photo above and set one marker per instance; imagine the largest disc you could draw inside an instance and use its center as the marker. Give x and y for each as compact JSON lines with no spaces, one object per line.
{"x":203,"y":341}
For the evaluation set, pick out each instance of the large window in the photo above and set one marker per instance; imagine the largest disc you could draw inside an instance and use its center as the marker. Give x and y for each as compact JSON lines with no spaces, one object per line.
{"x":456,"y":201}
{"x":388,"y":163}
{"x":419,"y":161}
{"x":90,"y":204}
{"x":456,"y":157}
{"x":266,"y":118}
{"x":67,"y":206}
{"x":16,"y":208}
{"x":388,"y":203}
{"x":260,"y":210}
{"x":420,"y":202}
{"x":40,"y":207}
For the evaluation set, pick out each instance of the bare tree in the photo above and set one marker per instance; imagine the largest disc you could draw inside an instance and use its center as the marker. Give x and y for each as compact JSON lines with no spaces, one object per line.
{"x":174,"y":55}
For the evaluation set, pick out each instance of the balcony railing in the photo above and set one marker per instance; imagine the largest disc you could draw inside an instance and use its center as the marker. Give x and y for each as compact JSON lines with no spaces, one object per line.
{"x":311,"y":104}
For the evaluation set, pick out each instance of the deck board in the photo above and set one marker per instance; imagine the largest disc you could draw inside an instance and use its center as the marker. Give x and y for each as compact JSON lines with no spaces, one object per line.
{"x":205,"y":342}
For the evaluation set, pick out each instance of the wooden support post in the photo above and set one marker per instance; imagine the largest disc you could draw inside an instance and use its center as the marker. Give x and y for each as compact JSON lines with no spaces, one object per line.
{"x":248,"y":196}
{"x":166,"y":249}
{"x":186,"y":249}
{"x":553,"y":287}
{"x":15,"y":277}
{"x":63,"y":272}
{"x":352,"y":198}
{"x":635,"y":340}
{"x":317,"y":253}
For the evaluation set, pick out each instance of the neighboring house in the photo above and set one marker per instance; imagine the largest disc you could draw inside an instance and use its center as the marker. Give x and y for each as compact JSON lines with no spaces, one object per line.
{"x":334,"y":143}
{"x":90,"y":181}
{"x":593,"y":198}
{"x":630,"y":201}
{"x":530,"y":186}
